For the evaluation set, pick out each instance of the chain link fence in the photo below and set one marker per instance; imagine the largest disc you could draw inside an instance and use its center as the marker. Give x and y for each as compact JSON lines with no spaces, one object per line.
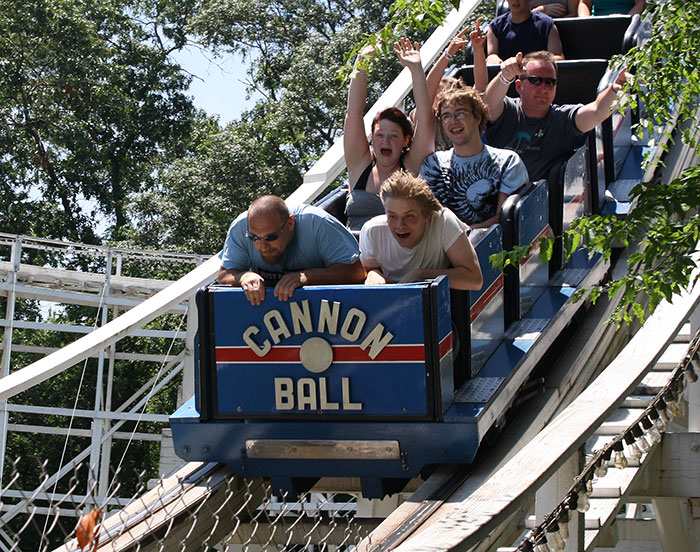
{"x":199,"y":507}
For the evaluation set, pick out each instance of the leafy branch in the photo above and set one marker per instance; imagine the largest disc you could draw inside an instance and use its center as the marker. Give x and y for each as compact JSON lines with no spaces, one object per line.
{"x":405,"y":15}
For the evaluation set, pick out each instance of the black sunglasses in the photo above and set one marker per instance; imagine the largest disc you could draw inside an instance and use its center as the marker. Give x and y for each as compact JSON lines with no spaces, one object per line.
{"x":549,"y":81}
{"x":270,"y":237}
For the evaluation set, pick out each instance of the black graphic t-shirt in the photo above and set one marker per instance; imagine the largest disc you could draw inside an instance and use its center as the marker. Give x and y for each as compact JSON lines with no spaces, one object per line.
{"x":469,"y":186}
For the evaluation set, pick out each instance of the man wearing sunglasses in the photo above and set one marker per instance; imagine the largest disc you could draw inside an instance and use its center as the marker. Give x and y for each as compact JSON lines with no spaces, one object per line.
{"x":269,"y":246}
{"x":532,"y":125}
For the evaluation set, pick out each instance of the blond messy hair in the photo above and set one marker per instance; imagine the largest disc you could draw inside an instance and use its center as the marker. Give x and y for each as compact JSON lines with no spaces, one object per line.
{"x":403,"y":185}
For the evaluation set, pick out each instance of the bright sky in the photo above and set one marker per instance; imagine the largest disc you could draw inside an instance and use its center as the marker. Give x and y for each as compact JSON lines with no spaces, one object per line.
{"x":217,"y":84}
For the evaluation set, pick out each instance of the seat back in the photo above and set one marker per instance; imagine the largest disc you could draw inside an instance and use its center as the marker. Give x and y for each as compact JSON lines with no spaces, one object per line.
{"x":334,"y":203}
{"x":596,"y":37}
{"x":525,"y":219}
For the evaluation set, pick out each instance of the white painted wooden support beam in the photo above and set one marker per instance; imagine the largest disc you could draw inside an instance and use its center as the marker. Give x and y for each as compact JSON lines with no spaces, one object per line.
{"x":72,"y":328}
{"x":72,"y":432}
{"x":548,"y":496}
{"x":674,"y":470}
{"x":75,"y":297}
{"x":110,"y":333}
{"x":97,"y":414}
{"x":146,"y":357}
{"x":471,"y":514}
{"x":631,"y":529}
{"x":672,"y":528}
{"x":83,"y":280}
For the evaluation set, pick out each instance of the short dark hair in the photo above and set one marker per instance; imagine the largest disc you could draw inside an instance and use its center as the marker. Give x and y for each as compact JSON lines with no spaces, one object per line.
{"x":467,"y":96}
{"x":541,"y":55}
{"x":397,"y":116}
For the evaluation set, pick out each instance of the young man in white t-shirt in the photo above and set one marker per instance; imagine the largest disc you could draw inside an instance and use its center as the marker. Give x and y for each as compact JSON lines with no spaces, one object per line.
{"x":417,"y":238}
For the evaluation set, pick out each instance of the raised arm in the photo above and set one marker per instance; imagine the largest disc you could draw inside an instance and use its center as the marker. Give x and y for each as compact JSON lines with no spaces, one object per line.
{"x":438,"y":70}
{"x":355,"y":144}
{"x":498,"y":87}
{"x":424,"y":137}
{"x":481,"y":74}
{"x":594,"y":113}
{"x":554,"y":43}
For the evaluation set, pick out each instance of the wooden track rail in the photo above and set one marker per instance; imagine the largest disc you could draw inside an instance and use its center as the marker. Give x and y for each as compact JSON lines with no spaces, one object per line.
{"x":477,"y":507}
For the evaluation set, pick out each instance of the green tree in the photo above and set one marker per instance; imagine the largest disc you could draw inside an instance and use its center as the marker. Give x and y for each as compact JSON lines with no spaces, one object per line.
{"x":88,"y":100}
{"x":296,"y":50}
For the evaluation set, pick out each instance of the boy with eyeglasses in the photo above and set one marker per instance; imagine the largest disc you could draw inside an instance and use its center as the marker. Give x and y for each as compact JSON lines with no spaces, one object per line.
{"x":269,"y":246}
{"x":471,"y":179}
{"x":540,"y":131}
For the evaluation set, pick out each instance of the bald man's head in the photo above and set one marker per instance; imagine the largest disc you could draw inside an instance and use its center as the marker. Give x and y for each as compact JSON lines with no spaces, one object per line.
{"x":269,"y":205}
{"x":271,"y":227}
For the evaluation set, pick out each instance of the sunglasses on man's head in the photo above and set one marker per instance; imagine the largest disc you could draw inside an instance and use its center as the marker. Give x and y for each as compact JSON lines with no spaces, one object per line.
{"x":549,"y":81}
{"x":269,"y":238}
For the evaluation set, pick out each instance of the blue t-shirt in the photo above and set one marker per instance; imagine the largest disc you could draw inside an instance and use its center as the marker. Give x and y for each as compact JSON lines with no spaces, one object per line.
{"x":469,"y":186}
{"x":319,"y":241}
{"x":529,"y":36}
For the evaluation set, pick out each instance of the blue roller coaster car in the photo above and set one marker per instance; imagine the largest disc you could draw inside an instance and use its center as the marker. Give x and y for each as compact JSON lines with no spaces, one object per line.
{"x":339,"y":380}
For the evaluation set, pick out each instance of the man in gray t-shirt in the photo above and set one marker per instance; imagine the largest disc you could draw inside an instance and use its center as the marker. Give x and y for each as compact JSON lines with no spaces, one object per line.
{"x":540,"y":132}
{"x":471,"y":179}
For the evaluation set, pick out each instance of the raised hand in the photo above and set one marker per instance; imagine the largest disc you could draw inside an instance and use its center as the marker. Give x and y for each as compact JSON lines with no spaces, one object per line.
{"x":622,"y":77}
{"x":477,"y":36}
{"x":458,"y":42}
{"x":513,"y":67}
{"x":407,"y":52}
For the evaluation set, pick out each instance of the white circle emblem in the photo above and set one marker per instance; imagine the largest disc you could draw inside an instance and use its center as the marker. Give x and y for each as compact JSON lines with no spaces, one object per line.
{"x":316,"y":355}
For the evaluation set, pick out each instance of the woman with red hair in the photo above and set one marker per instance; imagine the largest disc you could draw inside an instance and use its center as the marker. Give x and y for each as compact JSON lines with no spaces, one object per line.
{"x":394,"y":144}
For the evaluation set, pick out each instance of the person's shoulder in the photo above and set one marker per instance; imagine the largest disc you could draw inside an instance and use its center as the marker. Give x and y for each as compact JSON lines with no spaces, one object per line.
{"x":239,"y":221}
{"x":504,"y":157}
{"x":443,"y":156}
{"x":499,"y":152}
{"x":436,"y":159}
{"x":500,"y":20}
{"x":446,"y":215}
{"x":304,"y":211}
{"x":449,"y":221}
{"x":540,"y":16}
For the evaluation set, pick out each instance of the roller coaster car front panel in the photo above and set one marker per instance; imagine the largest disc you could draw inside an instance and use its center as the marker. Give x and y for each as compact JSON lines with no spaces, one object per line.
{"x":339,"y":381}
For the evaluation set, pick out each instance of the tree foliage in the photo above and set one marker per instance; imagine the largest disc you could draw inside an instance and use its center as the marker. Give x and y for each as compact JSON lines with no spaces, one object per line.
{"x":663,"y":223}
{"x":296,"y":50}
{"x":88,"y":99}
